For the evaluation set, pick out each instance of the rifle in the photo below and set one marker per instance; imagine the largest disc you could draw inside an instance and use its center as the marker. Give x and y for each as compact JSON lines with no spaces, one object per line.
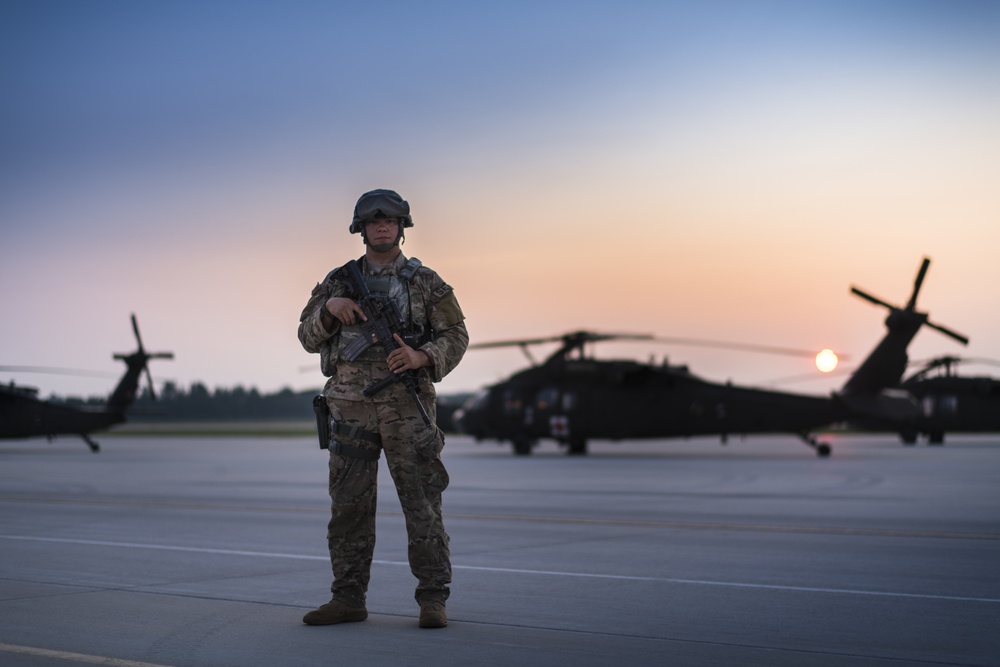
{"x":384,"y":319}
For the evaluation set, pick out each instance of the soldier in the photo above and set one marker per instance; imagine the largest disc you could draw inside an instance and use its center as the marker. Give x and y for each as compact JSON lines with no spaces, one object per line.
{"x":431,"y":344}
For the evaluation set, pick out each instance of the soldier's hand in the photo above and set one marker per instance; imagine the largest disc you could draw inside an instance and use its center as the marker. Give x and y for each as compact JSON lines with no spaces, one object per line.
{"x":405,"y":358}
{"x":345,"y":310}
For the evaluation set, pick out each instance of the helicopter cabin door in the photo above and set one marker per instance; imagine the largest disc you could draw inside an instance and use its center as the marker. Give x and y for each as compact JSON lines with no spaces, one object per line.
{"x":556,"y":411}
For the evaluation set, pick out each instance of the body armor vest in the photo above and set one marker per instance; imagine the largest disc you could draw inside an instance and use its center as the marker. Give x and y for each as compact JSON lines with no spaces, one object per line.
{"x":395,"y":288}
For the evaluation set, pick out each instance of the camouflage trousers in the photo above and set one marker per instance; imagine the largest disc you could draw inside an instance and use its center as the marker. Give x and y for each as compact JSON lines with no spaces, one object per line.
{"x":413,"y":454}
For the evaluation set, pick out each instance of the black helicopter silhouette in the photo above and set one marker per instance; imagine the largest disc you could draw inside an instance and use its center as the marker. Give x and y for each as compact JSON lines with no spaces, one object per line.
{"x":951,"y":403}
{"x":24,"y":415}
{"x":885,"y":366}
{"x":878,"y":398}
{"x":572,"y":397}
{"x":948,"y":402}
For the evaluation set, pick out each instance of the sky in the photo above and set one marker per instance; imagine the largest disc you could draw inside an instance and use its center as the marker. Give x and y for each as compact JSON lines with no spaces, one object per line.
{"x":717,"y":170}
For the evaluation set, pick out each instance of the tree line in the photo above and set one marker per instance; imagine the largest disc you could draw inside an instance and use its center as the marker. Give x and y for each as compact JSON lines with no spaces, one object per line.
{"x":198,"y":403}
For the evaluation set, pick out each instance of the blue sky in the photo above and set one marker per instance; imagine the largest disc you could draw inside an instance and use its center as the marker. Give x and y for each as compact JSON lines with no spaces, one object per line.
{"x":724,"y":170}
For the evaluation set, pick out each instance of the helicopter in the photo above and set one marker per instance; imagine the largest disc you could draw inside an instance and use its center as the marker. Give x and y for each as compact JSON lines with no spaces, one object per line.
{"x":941,"y":400}
{"x":948,"y":402}
{"x":24,"y":415}
{"x":572,"y":397}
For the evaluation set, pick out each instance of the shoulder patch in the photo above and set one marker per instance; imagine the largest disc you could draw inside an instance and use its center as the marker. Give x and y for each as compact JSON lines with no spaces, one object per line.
{"x":441,"y":291}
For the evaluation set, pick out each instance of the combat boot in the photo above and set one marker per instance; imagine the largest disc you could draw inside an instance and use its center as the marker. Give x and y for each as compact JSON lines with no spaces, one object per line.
{"x":432,"y":614}
{"x":335,"y":611}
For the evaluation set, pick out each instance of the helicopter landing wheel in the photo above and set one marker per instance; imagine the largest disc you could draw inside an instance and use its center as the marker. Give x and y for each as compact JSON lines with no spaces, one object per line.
{"x":522,"y":446}
{"x":823,"y":449}
{"x":577,"y":447}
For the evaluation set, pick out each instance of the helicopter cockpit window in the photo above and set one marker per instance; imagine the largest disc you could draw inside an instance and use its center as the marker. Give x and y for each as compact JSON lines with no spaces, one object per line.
{"x":940,"y":406}
{"x":479,"y":400}
{"x":511,"y":402}
{"x":547,"y":398}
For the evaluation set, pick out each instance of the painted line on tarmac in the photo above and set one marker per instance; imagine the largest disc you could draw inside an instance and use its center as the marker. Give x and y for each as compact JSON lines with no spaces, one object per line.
{"x":680,"y":525}
{"x":507,"y":570}
{"x":752,"y":527}
{"x":75,"y":657}
{"x":164,"y":547}
{"x":732,"y":584}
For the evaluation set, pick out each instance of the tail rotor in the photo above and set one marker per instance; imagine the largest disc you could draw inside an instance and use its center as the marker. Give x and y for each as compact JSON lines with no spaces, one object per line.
{"x":885,"y":366}
{"x":139,"y":360}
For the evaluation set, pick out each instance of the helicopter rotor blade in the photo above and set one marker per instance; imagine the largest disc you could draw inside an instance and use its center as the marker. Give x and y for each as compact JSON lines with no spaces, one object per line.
{"x":581,"y":337}
{"x":926,"y":366}
{"x":912,"y":304}
{"x":147,"y":356}
{"x":874,"y":299}
{"x":57,"y":371}
{"x":592,"y":337}
{"x":527,"y":353}
{"x":978,"y":361}
{"x":149,"y":382}
{"x":745,"y":347}
{"x":135,"y":328}
{"x":575,"y":336}
{"x":515,"y":343}
{"x":964,"y":340}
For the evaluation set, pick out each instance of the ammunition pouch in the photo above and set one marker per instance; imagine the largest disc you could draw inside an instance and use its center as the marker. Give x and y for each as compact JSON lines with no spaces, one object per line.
{"x":415,"y":340}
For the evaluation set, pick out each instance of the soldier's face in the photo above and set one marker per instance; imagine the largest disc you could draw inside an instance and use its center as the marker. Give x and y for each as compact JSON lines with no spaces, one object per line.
{"x":382,"y":230}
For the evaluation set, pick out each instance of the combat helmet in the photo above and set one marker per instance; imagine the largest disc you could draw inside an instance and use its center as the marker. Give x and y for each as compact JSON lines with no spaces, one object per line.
{"x":380,"y":203}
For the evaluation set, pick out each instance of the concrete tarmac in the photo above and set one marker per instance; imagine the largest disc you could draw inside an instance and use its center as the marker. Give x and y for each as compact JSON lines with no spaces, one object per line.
{"x":191,"y":551}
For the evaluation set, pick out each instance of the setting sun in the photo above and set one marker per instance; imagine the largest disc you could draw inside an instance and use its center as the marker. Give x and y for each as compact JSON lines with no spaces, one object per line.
{"x":826,"y":360}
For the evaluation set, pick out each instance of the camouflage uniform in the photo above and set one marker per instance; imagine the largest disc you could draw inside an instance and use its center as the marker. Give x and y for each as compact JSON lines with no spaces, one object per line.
{"x":412,"y":449}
